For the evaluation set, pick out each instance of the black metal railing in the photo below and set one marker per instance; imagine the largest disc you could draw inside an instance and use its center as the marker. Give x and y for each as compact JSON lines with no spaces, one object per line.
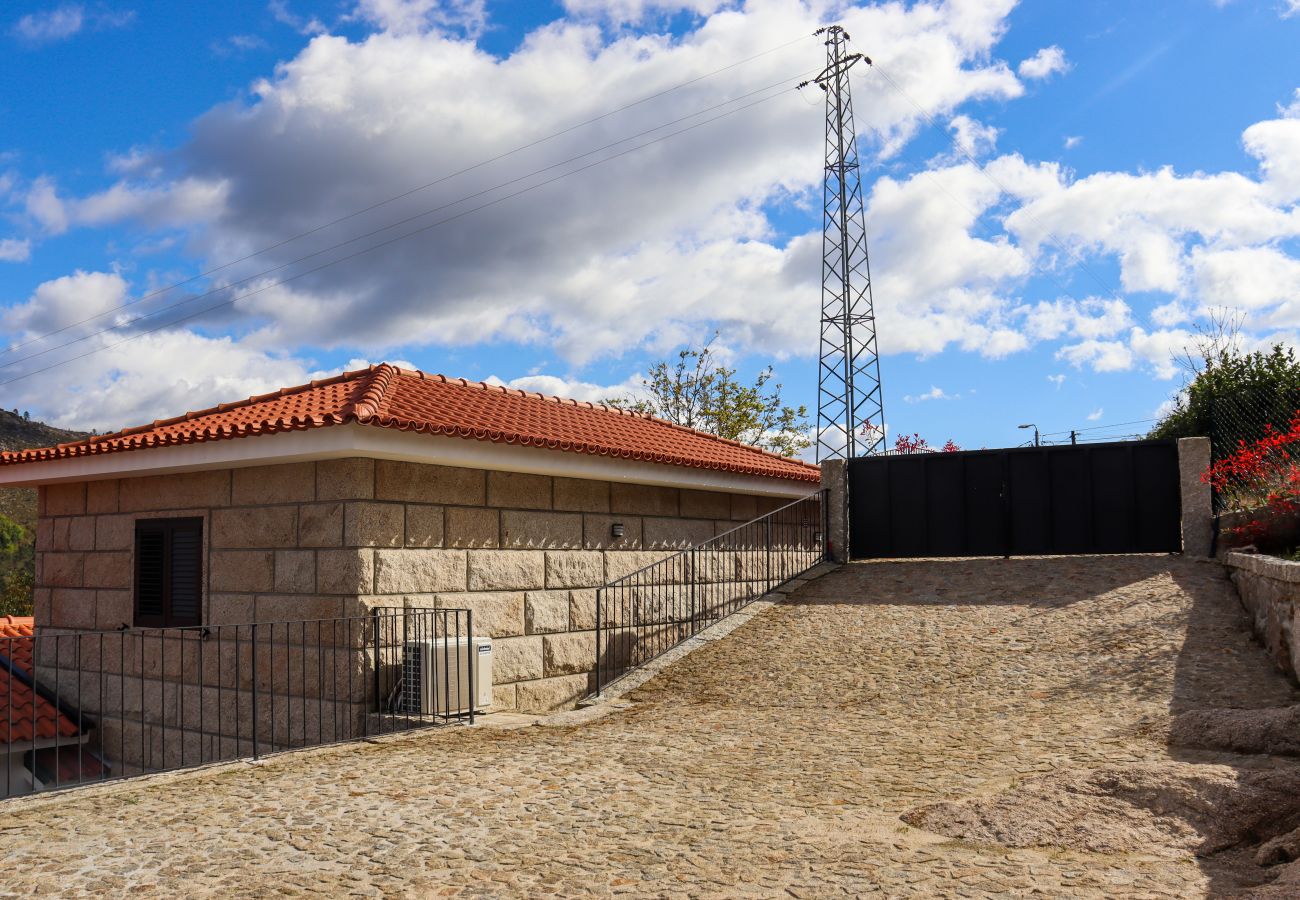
{"x":648,"y":612}
{"x":86,"y":706}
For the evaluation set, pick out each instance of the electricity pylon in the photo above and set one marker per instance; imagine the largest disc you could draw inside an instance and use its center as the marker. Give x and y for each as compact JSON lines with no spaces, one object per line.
{"x":850,"y":406}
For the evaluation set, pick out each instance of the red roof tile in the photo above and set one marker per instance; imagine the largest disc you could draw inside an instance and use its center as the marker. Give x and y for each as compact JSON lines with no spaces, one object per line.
{"x":22,"y":711}
{"x":388,"y":397}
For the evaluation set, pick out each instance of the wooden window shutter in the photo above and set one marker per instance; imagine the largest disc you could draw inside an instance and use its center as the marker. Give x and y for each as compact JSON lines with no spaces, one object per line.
{"x":168,"y":572}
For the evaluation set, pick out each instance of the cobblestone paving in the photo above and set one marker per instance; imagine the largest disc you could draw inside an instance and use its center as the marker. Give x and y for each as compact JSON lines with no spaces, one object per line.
{"x":773,"y":762}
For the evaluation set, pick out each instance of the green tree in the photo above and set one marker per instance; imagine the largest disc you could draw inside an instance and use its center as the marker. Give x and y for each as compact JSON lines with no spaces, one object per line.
{"x":12,"y":536}
{"x":697,"y":392}
{"x":17,"y":568}
{"x":1232,"y":395}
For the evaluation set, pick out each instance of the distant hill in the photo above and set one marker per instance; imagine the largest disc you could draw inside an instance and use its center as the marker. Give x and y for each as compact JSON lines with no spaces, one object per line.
{"x":17,"y":545}
{"x":18,"y":433}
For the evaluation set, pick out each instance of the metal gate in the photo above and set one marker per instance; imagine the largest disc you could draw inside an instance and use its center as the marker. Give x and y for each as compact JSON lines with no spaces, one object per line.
{"x":1098,"y":498}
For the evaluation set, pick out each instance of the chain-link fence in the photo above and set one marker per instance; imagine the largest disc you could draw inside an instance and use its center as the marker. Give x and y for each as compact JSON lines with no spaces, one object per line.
{"x":1255,"y":446}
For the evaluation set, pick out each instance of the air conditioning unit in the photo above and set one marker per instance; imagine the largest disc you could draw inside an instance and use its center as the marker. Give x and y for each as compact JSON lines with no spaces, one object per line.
{"x":436,"y":679}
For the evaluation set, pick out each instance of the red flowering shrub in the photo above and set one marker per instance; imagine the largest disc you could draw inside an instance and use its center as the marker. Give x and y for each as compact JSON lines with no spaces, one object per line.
{"x":913,"y":444}
{"x":918,"y":444}
{"x":1263,"y":477}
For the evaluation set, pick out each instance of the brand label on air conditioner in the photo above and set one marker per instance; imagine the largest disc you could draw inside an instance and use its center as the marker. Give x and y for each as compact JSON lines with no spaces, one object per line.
{"x":484,"y":648}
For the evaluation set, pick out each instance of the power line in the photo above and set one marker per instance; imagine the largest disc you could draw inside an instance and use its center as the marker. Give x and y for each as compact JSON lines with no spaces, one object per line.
{"x":1056,"y":241}
{"x":538,"y":141}
{"x":393,"y":240}
{"x":388,"y":227}
{"x":1099,"y":427}
{"x":985,"y":229}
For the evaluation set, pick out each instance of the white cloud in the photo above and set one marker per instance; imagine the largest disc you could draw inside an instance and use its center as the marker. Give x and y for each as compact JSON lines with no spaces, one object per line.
{"x":66,"y":20}
{"x":62,"y":301}
{"x":632,"y":11}
{"x":1045,"y":63}
{"x":1057,"y":380}
{"x":158,"y":374}
{"x":284,"y":14}
{"x":347,"y":121}
{"x":1103,"y":356}
{"x":44,"y":205}
{"x":1095,"y":414}
{"x":1292,"y":8}
{"x":934,"y":393}
{"x":237,"y":44}
{"x":573,"y":389}
{"x":415,"y":16}
{"x":1253,"y":279}
{"x":15,"y":250}
{"x":1276,"y":144}
{"x":660,"y":248}
{"x":1094,"y":317}
{"x":57,"y":24}
{"x":1072,"y":141}
{"x":971,"y":137}
{"x":180,"y":202}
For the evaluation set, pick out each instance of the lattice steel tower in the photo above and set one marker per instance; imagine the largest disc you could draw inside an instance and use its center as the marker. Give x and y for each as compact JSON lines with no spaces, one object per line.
{"x":850,"y":407}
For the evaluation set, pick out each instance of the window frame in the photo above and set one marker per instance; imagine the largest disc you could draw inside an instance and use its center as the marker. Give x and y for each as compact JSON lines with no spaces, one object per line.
{"x":168,"y":527}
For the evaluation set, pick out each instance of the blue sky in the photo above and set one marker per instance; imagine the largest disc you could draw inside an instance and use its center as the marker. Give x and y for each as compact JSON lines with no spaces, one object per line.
{"x":1079,"y":187}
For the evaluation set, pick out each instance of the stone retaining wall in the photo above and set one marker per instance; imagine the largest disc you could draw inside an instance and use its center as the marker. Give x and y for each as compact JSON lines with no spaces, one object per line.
{"x":1270,"y":590}
{"x":338,"y":537}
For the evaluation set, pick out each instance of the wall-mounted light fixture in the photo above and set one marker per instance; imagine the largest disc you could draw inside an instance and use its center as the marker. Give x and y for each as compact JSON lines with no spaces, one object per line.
{"x":616,"y":529}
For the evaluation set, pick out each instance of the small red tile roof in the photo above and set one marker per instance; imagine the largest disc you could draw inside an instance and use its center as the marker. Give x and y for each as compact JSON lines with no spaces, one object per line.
{"x":23,"y":712}
{"x":390,"y":397}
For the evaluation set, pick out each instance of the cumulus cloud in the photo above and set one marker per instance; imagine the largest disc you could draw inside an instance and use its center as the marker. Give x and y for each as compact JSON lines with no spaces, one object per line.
{"x":1095,"y":414}
{"x":15,"y":250}
{"x":45,"y":206}
{"x":1073,"y":140}
{"x":660,"y":247}
{"x":1045,"y":63}
{"x":574,"y":389}
{"x":64,"y":301}
{"x":1103,"y":356}
{"x":649,"y":251}
{"x":971,"y":137}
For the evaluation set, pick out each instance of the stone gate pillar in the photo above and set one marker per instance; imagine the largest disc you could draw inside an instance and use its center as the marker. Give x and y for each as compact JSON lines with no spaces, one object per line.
{"x":1198,"y":508}
{"x":835,"y":479}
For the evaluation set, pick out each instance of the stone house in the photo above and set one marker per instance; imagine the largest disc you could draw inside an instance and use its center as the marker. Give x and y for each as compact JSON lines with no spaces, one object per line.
{"x":387,"y":487}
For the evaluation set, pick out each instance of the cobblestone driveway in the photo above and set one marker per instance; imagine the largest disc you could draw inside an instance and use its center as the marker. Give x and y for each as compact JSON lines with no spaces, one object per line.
{"x":777,"y":760}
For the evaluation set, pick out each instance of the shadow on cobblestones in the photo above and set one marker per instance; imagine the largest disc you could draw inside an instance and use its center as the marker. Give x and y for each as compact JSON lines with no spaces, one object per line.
{"x":776,"y":761}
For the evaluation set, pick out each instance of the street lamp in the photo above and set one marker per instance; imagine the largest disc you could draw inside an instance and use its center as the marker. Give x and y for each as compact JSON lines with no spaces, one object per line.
{"x":1033,"y":426}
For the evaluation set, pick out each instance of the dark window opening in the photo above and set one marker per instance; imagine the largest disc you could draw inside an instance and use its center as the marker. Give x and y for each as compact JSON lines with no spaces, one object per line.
{"x":168,"y":572}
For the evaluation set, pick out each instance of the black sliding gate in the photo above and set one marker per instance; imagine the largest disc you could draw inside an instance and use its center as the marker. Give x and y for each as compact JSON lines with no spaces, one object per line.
{"x":1097,"y":498}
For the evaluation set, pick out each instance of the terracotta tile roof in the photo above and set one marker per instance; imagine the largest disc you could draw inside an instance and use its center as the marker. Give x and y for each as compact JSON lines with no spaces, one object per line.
{"x":388,"y":397}
{"x":23,"y":712}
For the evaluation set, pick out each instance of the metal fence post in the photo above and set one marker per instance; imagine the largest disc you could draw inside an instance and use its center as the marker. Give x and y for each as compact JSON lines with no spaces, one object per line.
{"x":767,"y":539}
{"x":826,"y":524}
{"x":378,"y":681}
{"x":599,"y":596}
{"x":473,"y":662}
{"x":255,"y":718}
{"x":690,"y":579}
